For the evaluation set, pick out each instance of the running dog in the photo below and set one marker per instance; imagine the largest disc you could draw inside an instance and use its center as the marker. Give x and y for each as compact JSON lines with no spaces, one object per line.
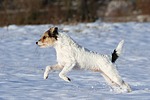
{"x":71,"y":56}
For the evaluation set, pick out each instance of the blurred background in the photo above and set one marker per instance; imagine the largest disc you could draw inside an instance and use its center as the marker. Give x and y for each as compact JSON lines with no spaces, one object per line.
{"x":22,"y":12}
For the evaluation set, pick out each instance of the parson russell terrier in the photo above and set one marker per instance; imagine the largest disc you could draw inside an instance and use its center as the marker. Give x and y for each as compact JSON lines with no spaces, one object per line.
{"x":71,"y":56}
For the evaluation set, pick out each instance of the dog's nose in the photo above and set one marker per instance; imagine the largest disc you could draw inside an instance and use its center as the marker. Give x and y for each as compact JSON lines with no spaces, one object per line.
{"x":36,"y":42}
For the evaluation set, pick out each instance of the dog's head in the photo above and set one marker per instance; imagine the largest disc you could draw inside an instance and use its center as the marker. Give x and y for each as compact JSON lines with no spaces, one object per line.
{"x":48,"y":38}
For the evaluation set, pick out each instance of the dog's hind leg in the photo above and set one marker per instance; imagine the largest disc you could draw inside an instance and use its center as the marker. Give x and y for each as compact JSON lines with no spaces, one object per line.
{"x":109,"y":81}
{"x":117,"y":83}
{"x":49,"y":68}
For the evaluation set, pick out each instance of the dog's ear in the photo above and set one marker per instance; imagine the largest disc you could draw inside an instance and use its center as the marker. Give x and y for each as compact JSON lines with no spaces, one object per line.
{"x":53,"y":32}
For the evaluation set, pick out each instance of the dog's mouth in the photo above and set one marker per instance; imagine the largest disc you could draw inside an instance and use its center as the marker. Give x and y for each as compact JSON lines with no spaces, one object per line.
{"x":42,"y":45}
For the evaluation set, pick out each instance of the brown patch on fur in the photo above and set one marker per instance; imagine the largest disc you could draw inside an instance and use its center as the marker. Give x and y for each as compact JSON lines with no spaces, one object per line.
{"x":52,"y":29}
{"x":97,"y":71}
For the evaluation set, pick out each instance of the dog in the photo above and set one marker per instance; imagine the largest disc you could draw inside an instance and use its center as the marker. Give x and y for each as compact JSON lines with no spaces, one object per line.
{"x":71,"y":56}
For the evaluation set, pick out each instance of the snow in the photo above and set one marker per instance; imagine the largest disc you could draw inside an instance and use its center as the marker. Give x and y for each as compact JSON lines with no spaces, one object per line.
{"x":22,"y":62}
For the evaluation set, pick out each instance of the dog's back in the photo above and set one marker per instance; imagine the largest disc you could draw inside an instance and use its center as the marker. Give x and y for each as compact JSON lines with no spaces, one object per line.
{"x":67,"y":49}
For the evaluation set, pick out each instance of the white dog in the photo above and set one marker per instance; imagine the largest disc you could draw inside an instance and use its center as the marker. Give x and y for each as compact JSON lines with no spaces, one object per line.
{"x":70,"y":56}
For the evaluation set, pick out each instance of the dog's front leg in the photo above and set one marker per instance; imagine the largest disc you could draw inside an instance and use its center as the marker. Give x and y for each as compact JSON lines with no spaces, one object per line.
{"x":49,"y":68}
{"x":66,"y":68}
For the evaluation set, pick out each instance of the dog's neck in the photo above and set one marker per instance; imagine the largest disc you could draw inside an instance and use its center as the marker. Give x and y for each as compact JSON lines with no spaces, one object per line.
{"x":64,"y":41}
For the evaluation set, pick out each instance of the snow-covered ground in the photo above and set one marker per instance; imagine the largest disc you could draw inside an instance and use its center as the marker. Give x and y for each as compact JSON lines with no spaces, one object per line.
{"x":22,"y":62}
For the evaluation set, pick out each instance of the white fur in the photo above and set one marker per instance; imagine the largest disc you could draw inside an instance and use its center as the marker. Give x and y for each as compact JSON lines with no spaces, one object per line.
{"x":119,"y":47}
{"x":70,"y":56}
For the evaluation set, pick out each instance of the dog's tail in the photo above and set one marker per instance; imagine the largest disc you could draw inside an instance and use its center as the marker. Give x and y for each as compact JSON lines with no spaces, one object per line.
{"x":117,"y":52}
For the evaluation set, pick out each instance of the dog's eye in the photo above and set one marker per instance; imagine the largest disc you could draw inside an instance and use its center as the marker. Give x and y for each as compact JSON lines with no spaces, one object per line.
{"x":44,"y":37}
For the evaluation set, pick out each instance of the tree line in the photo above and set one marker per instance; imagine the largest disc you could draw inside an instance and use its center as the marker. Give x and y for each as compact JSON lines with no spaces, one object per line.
{"x":23,"y":12}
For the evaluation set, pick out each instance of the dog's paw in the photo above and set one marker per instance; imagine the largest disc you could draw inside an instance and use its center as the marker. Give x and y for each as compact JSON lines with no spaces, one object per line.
{"x":68,"y":80}
{"x":46,"y":74}
{"x":65,"y":78}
